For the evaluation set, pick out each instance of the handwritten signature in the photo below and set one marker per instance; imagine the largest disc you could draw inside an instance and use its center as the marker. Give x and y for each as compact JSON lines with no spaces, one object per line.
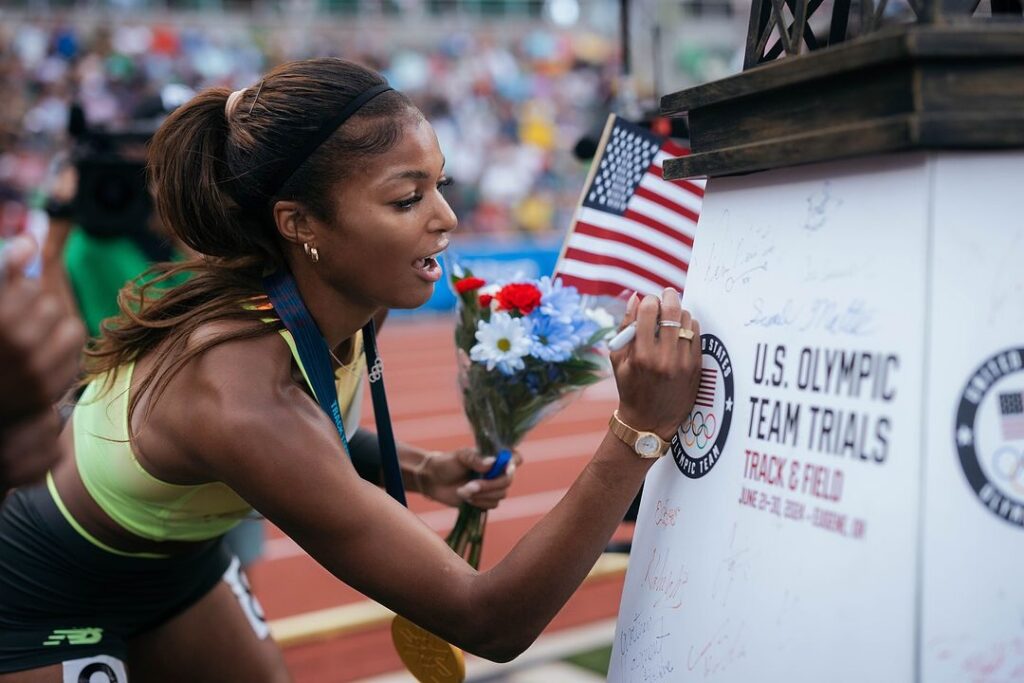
{"x":642,"y":648}
{"x":852,"y":318}
{"x":751,"y":256}
{"x":718,"y":652}
{"x":664,"y":514}
{"x":819,"y":205}
{"x":666,"y":577}
{"x":734,"y":566}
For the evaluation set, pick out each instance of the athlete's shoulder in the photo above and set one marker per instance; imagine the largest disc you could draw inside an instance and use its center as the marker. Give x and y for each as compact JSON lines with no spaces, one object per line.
{"x":237,"y":356}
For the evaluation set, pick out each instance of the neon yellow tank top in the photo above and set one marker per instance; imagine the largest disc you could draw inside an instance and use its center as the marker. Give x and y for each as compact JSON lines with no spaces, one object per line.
{"x":155,"y":509}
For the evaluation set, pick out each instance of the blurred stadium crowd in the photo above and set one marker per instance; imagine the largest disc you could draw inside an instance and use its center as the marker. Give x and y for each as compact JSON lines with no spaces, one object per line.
{"x":508,"y":105}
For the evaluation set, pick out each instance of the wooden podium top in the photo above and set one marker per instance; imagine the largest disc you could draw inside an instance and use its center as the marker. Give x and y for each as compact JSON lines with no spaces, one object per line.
{"x":957,"y":85}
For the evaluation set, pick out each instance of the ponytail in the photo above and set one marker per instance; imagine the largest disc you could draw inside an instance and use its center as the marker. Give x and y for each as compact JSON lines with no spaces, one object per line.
{"x":188,"y":165}
{"x":210,"y":167}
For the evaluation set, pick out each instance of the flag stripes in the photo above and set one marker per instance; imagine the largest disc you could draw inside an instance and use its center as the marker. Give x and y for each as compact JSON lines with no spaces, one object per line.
{"x":598,"y":241}
{"x":634,"y":230}
{"x":694,"y":187}
{"x":706,"y":389}
{"x":674,"y":194}
{"x":1011,"y":410}
{"x":641,"y":219}
{"x":582,"y":273}
{"x":662,"y":209}
{"x":637,"y":227}
{"x":609,"y":261}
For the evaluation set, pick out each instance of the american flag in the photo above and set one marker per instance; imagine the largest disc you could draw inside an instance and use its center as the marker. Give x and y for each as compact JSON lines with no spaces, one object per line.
{"x":633,"y":229}
{"x":706,"y":388}
{"x":1011,"y":412}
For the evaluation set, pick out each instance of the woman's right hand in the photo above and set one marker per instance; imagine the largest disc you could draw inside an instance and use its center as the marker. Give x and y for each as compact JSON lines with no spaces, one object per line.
{"x":658,"y":373}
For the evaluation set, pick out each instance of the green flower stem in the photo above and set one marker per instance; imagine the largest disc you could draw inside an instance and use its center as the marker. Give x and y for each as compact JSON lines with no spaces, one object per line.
{"x":467,"y":536}
{"x":462,"y":542}
{"x":456,"y":532}
{"x":476,"y":545}
{"x":459,"y":538}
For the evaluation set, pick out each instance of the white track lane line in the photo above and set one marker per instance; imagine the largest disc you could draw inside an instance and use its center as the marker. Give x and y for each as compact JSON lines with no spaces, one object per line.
{"x":518,"y":507}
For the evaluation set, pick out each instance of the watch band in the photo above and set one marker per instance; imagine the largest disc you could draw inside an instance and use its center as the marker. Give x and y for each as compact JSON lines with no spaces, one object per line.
{"x":644,"y":444}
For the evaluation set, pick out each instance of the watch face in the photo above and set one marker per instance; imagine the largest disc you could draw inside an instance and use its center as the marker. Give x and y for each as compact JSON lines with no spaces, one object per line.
{"x":647,"y":445}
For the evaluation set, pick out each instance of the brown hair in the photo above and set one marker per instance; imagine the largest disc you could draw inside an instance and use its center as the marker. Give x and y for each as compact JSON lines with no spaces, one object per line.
{"x":209,"y":170}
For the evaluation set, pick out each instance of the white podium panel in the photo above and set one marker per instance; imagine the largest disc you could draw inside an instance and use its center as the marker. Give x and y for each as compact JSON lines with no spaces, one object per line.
{"x":782,"y":539}
{"x":973,"y":562}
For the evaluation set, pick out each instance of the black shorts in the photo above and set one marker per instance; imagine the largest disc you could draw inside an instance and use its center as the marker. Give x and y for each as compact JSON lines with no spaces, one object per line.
{"x":63,"y":598}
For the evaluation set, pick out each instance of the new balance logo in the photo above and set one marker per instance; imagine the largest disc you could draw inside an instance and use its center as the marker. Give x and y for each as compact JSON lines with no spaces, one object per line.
{"x":75,"y":636}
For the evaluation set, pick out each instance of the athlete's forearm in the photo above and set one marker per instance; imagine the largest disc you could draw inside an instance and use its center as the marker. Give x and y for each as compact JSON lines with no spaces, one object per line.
{"x":527,"y":588}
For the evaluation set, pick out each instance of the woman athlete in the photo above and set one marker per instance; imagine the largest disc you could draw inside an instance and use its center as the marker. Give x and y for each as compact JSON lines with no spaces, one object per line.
{"x":199,"y":409}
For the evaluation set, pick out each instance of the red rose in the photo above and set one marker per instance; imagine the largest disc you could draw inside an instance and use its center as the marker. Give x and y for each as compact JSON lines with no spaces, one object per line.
{"x":519,"y":296}
{"x":485,"y":300}
{"x":468,"y":284}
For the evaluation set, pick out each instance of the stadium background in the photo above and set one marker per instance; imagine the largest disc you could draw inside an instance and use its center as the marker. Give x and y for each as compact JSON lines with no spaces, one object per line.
{"x":511,"y":87}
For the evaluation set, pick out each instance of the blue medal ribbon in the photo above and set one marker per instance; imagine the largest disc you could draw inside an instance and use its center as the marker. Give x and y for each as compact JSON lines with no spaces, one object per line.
{"x":315,"y":355}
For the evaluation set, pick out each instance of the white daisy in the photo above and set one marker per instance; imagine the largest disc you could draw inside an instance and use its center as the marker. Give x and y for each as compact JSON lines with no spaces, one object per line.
{"x":502,"y":343}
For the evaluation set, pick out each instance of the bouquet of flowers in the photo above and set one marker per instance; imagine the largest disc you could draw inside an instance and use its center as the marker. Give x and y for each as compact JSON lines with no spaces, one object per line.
{"x":523,"y":348}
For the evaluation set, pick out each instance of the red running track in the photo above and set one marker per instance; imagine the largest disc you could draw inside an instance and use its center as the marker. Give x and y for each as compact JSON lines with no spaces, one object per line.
{"x":419,"y":359}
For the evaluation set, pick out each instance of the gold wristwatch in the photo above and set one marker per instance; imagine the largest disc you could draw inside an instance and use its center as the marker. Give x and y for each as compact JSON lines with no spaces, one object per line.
{"x":646,"y":444}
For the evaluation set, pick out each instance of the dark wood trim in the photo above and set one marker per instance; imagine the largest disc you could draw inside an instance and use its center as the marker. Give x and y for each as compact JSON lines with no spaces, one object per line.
{"x":921,"y":87}
{"x":897,"y":134}
{"x":887,"y":45}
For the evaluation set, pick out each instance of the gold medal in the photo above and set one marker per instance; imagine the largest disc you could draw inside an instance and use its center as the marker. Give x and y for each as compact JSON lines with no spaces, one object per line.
{"x":429,"y":658}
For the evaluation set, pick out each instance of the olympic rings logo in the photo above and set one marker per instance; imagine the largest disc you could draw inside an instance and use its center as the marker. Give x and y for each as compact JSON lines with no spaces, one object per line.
{"x":377,"y":371}
{"x":698,"y":429}
{"x":1008,"y":463}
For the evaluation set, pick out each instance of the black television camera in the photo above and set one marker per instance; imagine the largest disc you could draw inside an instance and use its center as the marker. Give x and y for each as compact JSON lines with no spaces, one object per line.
{"x":112,"y":198}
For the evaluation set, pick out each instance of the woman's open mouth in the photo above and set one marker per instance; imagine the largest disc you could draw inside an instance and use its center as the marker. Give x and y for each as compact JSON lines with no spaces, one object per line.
{"x":429,"y":267}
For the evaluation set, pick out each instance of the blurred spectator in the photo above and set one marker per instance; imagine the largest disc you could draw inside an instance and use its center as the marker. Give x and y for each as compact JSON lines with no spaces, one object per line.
{"x":507,"y":110}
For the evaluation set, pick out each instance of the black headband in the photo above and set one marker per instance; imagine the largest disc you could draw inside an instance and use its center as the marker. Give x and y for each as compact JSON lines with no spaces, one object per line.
{"x":292,"y":163}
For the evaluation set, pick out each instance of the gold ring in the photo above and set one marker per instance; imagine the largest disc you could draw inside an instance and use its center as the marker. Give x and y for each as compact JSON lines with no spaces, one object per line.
{"x":685,"y":334}
{"x":669,"y":323}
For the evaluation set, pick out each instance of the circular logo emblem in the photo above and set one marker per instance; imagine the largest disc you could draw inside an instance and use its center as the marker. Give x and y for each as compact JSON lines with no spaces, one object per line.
{"x":86,"y":675}
{"x":989,"y":434}
{"x":698,"y":443}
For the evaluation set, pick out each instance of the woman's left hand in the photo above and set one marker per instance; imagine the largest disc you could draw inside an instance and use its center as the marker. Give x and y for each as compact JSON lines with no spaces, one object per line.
{"x":448,"y":477}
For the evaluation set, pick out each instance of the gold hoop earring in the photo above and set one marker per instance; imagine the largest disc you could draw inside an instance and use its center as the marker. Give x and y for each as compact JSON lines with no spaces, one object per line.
{"x":311,"y":253}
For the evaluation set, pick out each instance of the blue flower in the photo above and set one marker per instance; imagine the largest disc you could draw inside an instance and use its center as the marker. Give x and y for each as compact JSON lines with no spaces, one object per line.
{"x":583,"y":328}
{"x":557,"y":300}
{"x":553,"y":339}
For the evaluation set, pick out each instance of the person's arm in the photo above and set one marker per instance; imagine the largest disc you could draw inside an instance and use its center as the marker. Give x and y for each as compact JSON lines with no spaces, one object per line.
{"x":60,"y":211}
{"x":40,"y":347}
{"x":281,"y":453}
{"x":444,"y":476}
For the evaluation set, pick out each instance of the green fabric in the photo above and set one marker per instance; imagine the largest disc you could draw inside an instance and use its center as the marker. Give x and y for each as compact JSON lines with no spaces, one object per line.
{"x":98,"y":269}
{"x":145,"y":505}
{"x":139,"y":502}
